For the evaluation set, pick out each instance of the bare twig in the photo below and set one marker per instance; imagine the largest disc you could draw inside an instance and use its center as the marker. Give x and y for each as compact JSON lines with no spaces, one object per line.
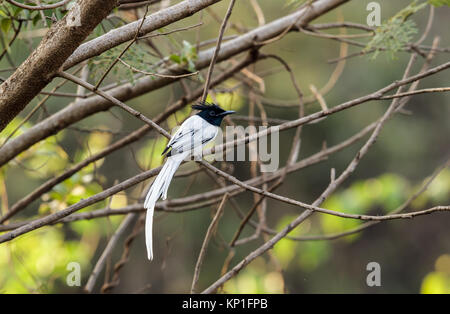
{"x":211,"y":229}
{"x":38,"y":7}
{"x":107,"y":252}
{"x":115,"y":101}
{"x":107,"y":286}
{"x":415,"y":92}
{"x":156,"y":74}
{"x":216,"y":51}
{"x":16,"y":33}
{"x":170,"y":32}
{"x":135,"y":38}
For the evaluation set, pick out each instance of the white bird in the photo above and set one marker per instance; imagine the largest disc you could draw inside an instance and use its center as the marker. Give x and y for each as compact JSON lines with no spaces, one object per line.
{"x":195,"y":132}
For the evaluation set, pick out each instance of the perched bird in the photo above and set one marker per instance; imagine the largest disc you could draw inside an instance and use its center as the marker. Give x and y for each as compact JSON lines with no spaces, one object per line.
{"x":195,"y":132}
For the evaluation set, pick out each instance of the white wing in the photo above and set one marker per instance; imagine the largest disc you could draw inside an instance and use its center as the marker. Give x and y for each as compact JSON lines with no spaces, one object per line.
{"x":193,"y":133}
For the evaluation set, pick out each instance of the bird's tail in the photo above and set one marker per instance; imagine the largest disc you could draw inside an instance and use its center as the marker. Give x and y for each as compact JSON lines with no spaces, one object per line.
{"x":159,"y":188}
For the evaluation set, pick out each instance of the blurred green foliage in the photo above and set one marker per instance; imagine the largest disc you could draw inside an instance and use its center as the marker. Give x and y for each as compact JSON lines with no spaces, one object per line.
{"x":37,"y":262}
{"x":385,"y":192}
{"x":10,"y":13}
{"x":438,"y":281}
{"x":439,"y":3}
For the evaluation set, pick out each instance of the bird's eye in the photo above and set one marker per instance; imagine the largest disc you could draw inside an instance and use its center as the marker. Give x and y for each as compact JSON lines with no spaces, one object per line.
{"x":212,"y":113}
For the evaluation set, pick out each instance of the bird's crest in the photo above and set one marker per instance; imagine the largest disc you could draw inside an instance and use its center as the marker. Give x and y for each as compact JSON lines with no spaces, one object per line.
{"x":206,"y":105}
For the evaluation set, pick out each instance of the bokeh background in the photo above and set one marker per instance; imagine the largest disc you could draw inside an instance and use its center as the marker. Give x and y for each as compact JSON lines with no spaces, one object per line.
{"x":414,"y":254}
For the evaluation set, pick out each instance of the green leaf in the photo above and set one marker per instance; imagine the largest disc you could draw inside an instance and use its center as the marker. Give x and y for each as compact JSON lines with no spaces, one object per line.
{"x":175,"y":58}
{"x":16,"y":11}
{"x":3,"y":13}
{"x":392,"y":37}
{"x":191,"y":66}
{"x":5,"y":25}
{"x":439,"y":3}
{"x":313,"y":254}
{"x":36,"y":18}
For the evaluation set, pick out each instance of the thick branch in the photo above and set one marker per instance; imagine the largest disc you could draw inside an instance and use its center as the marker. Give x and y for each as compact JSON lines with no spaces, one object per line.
{"x":58,"y":44}
{"x":125,"y":33}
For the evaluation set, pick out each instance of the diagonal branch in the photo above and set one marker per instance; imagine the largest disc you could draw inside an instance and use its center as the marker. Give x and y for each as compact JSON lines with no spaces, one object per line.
{"x":216,"y":51}
{"x":39,"y":7}
{"x":212,"y":227}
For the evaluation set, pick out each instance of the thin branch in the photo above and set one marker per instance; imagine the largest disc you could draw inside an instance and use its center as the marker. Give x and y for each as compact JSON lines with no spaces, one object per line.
{"x":39,"y":7}
{"x":342,"y":24}
{"x":216,"y":51}
{"x":115,"y":101}
{"x":49,"y":219}
{"x":107,"y":286}
{"x":156,"y":74}
{"x":428,"y":27}
{"x":211,"y":229}
{"x":419,"y":91}
{"x":107,"y":252}
{"x":16,"y":33}
{"x":136,"y":35}
{"x":369,"y":224}
{"x":171,"y":32}
{"x":258,"y":12}
{"x":249,"y":215}
{"x":314,"y":208}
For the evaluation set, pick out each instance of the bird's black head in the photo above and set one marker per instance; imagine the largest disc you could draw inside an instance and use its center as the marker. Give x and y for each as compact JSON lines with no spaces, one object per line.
{"x":211,"y":113}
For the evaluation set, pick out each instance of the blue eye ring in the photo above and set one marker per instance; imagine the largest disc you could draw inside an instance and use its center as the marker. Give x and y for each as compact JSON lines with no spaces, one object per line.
{"x":212,"y":113}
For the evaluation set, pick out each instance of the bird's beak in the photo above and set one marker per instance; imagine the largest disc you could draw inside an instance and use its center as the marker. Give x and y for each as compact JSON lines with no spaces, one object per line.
{"x":226,"y":113}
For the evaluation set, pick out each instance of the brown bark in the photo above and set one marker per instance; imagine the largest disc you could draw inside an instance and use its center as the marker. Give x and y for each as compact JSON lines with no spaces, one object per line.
{"x":41,"y":66}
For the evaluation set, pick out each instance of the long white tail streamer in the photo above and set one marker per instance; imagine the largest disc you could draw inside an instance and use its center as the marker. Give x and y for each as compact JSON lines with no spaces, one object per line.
{"x":159,"y":189}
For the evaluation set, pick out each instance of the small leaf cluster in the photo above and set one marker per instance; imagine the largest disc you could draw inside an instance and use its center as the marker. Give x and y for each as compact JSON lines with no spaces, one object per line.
{"x":136,"y":56}
{"x":187,"y":56}
{"x":394,"y":34}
